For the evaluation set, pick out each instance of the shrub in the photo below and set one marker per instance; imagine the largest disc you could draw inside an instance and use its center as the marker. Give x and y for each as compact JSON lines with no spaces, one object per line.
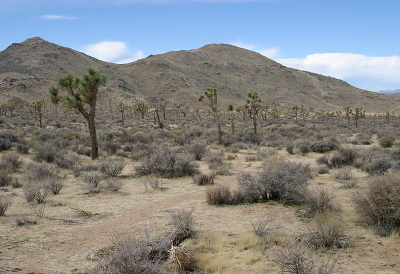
{"x":5,"y":177}
{"x":111,"y":147}
{"x":167,"y":163}
{"x":304,"y":148}
{"x":327,"y":232}
{"x":279,"y":180}
{"x":349,"y":154}
{"x":46,"y":152}
{"x":290,"y":148}
{"x":112,"y":167}
{"x":25,"y":221}
{"x":22,"y":148}
{"x":91,"y":181}
{"x":378,"y":166}
{"x":379,"y":207}
{"x":5,"y":204}
{"x":197,"y":150}
{"x":218,"y":195}
{"x":204,"y":179}
{"x":386,"y":141}
{"x":37,"y":191}
{"x":113,"y":185}
{"x":42,"y":171}
{"x":67,"y":161}
{"x":344,"y":174}
{"x":55,"y":185}
{"x":318,"y":200}
{"x":16,"y":183}
{"x":182,"y":220}
{"x":13,"y":160}
{"x":5,"y":144}
{"x":323,"y":170}
{"x":323,"y":146}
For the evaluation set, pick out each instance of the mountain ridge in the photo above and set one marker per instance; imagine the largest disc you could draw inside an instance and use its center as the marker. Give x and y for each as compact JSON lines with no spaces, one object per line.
{"x":27,"y":69}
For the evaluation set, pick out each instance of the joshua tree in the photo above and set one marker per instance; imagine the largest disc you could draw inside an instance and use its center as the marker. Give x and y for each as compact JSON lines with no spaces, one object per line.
{"x":347,"y":112}
{"x":357,"y":114}
{"x":38,"y":109}
{"x":81,"y":94}
{"x":253,"y":106}
{"x":211,"y":94}
{"x":231,"y":117}
{"x":121,"y":108}
{"x":156,"y":115}
{"x":296,"y":113}
{"x":141,"y":108}
{"x":264,"y":111}
{"x":163,"y":108}
{"x":338,"y":114}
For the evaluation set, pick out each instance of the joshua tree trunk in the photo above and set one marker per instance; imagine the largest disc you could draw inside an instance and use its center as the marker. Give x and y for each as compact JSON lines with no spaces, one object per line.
{"x":254,"y":125}
{"x":93,"y":137}
{"x":216,"y":115}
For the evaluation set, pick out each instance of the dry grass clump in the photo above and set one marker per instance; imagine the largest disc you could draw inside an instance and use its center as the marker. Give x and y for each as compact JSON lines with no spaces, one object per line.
{"x":91,"y":181}
{"x":12,"y":159}
{"x":5,"y":177}
{"x":180,"y":258}
{"x":218,"y":195}
{"x":5,"y":204}
{"x":204,"y":179}
{"x":379,"y":207}
{"x":25,"y":221}
{"x":327,"y":232}
{"x":318,"y":200}
{"x":113,"y":185}
{"x":112,"y":166}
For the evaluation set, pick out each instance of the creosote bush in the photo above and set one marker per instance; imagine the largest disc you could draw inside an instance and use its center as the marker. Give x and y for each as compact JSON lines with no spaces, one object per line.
{"x":378,"y":166}
{"x":12,"y":159}
{"x":167,"y":163}
{"x":386,"y":141}
{"x":379,"y":207}
{"x":318,"y":200}
{"x":112,"y":166}
{"x":198,"y":150}
{"x":279,"y":180}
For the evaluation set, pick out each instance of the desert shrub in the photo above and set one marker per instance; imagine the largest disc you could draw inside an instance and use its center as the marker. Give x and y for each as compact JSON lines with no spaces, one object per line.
{"x":127,"y":148}
{"x":5,"y":204}
{"x":37,"y":191}
{"x":113,"y":185}
{"x":5,"y":177}
{"x":83,"y":150}
{"x":41,"y":171}
{"x":323,"y":146}
{"x":167,"y":163}
{"x":204,"y":179}
{"x":395,"y":154}
{"x":5,"y":144}
{"x":55,"y":185}
{"x":295,"y":259}
{"x":327,"y":232}
{"x":22,"y":148}
{"x":318,"y":200}
{"x":386,"y":140}
{"x":179,"y":259}
{"x":140,"y":151}
{"x":378,"y":166}
{"x":25,"y":221}
{"x":16,"y":183}
{"x":215,"y":158}
{"x":323,"y":170}
{"x":111,"y":147}
{"x":67,"y":161}
{"x":279,"y":180}
{"x":379,"y":207}
{"x":223,"y":169}
{"x":290,"y":148}
{"x":182,"y":220}
{"x":332,"y":161}
{"x":130,"y":256}
{"x":396,"y":166}
{"x":112,"y":166}
{"x":140,"y":137}
{"x":349,"y":154}
{"x":344,"y":174}
{"x":304,"y":148}
{"x":13,"y":160}
{"x":218,"y":195}
{"x":262,"y":228}
{"x":91,"y":181}
{"x":197,"y":150}
{"x":46,"y":152}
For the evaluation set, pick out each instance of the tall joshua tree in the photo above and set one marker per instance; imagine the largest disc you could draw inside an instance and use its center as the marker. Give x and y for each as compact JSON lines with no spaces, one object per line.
{"x":232,"y":117}
{"x":253,"y":106}
{"x":211,"y":94}
{"x":81,"y":94}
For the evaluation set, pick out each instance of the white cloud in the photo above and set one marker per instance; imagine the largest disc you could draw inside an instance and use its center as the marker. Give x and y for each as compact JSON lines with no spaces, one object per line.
{"x":367,"y":72}
{"x":113,"y":51}
{"x":267,"y":52}
{"x":57,"y":17}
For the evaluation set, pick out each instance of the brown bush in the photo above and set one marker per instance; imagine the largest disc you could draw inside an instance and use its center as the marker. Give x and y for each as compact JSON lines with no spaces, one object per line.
{"x":204,"y":179}
{"x":379,"y":207}
{"x":218,"y":195}
{"x":318,"y":200}
{"x":5,"y":204}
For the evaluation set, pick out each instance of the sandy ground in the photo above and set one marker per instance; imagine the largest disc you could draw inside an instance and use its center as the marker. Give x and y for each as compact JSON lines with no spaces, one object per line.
{"x":61,"y":242}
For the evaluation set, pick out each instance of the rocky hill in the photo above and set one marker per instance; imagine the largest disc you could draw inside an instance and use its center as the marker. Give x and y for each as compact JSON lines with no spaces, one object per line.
{"x":27,"y":69}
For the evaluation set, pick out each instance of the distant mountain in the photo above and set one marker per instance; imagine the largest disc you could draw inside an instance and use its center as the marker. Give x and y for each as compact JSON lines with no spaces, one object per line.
{"x":27,"y":70}
{"x":394,"y":92}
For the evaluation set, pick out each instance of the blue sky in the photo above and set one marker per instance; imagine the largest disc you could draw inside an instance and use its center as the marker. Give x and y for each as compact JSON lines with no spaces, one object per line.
{"x":357,"y":41}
